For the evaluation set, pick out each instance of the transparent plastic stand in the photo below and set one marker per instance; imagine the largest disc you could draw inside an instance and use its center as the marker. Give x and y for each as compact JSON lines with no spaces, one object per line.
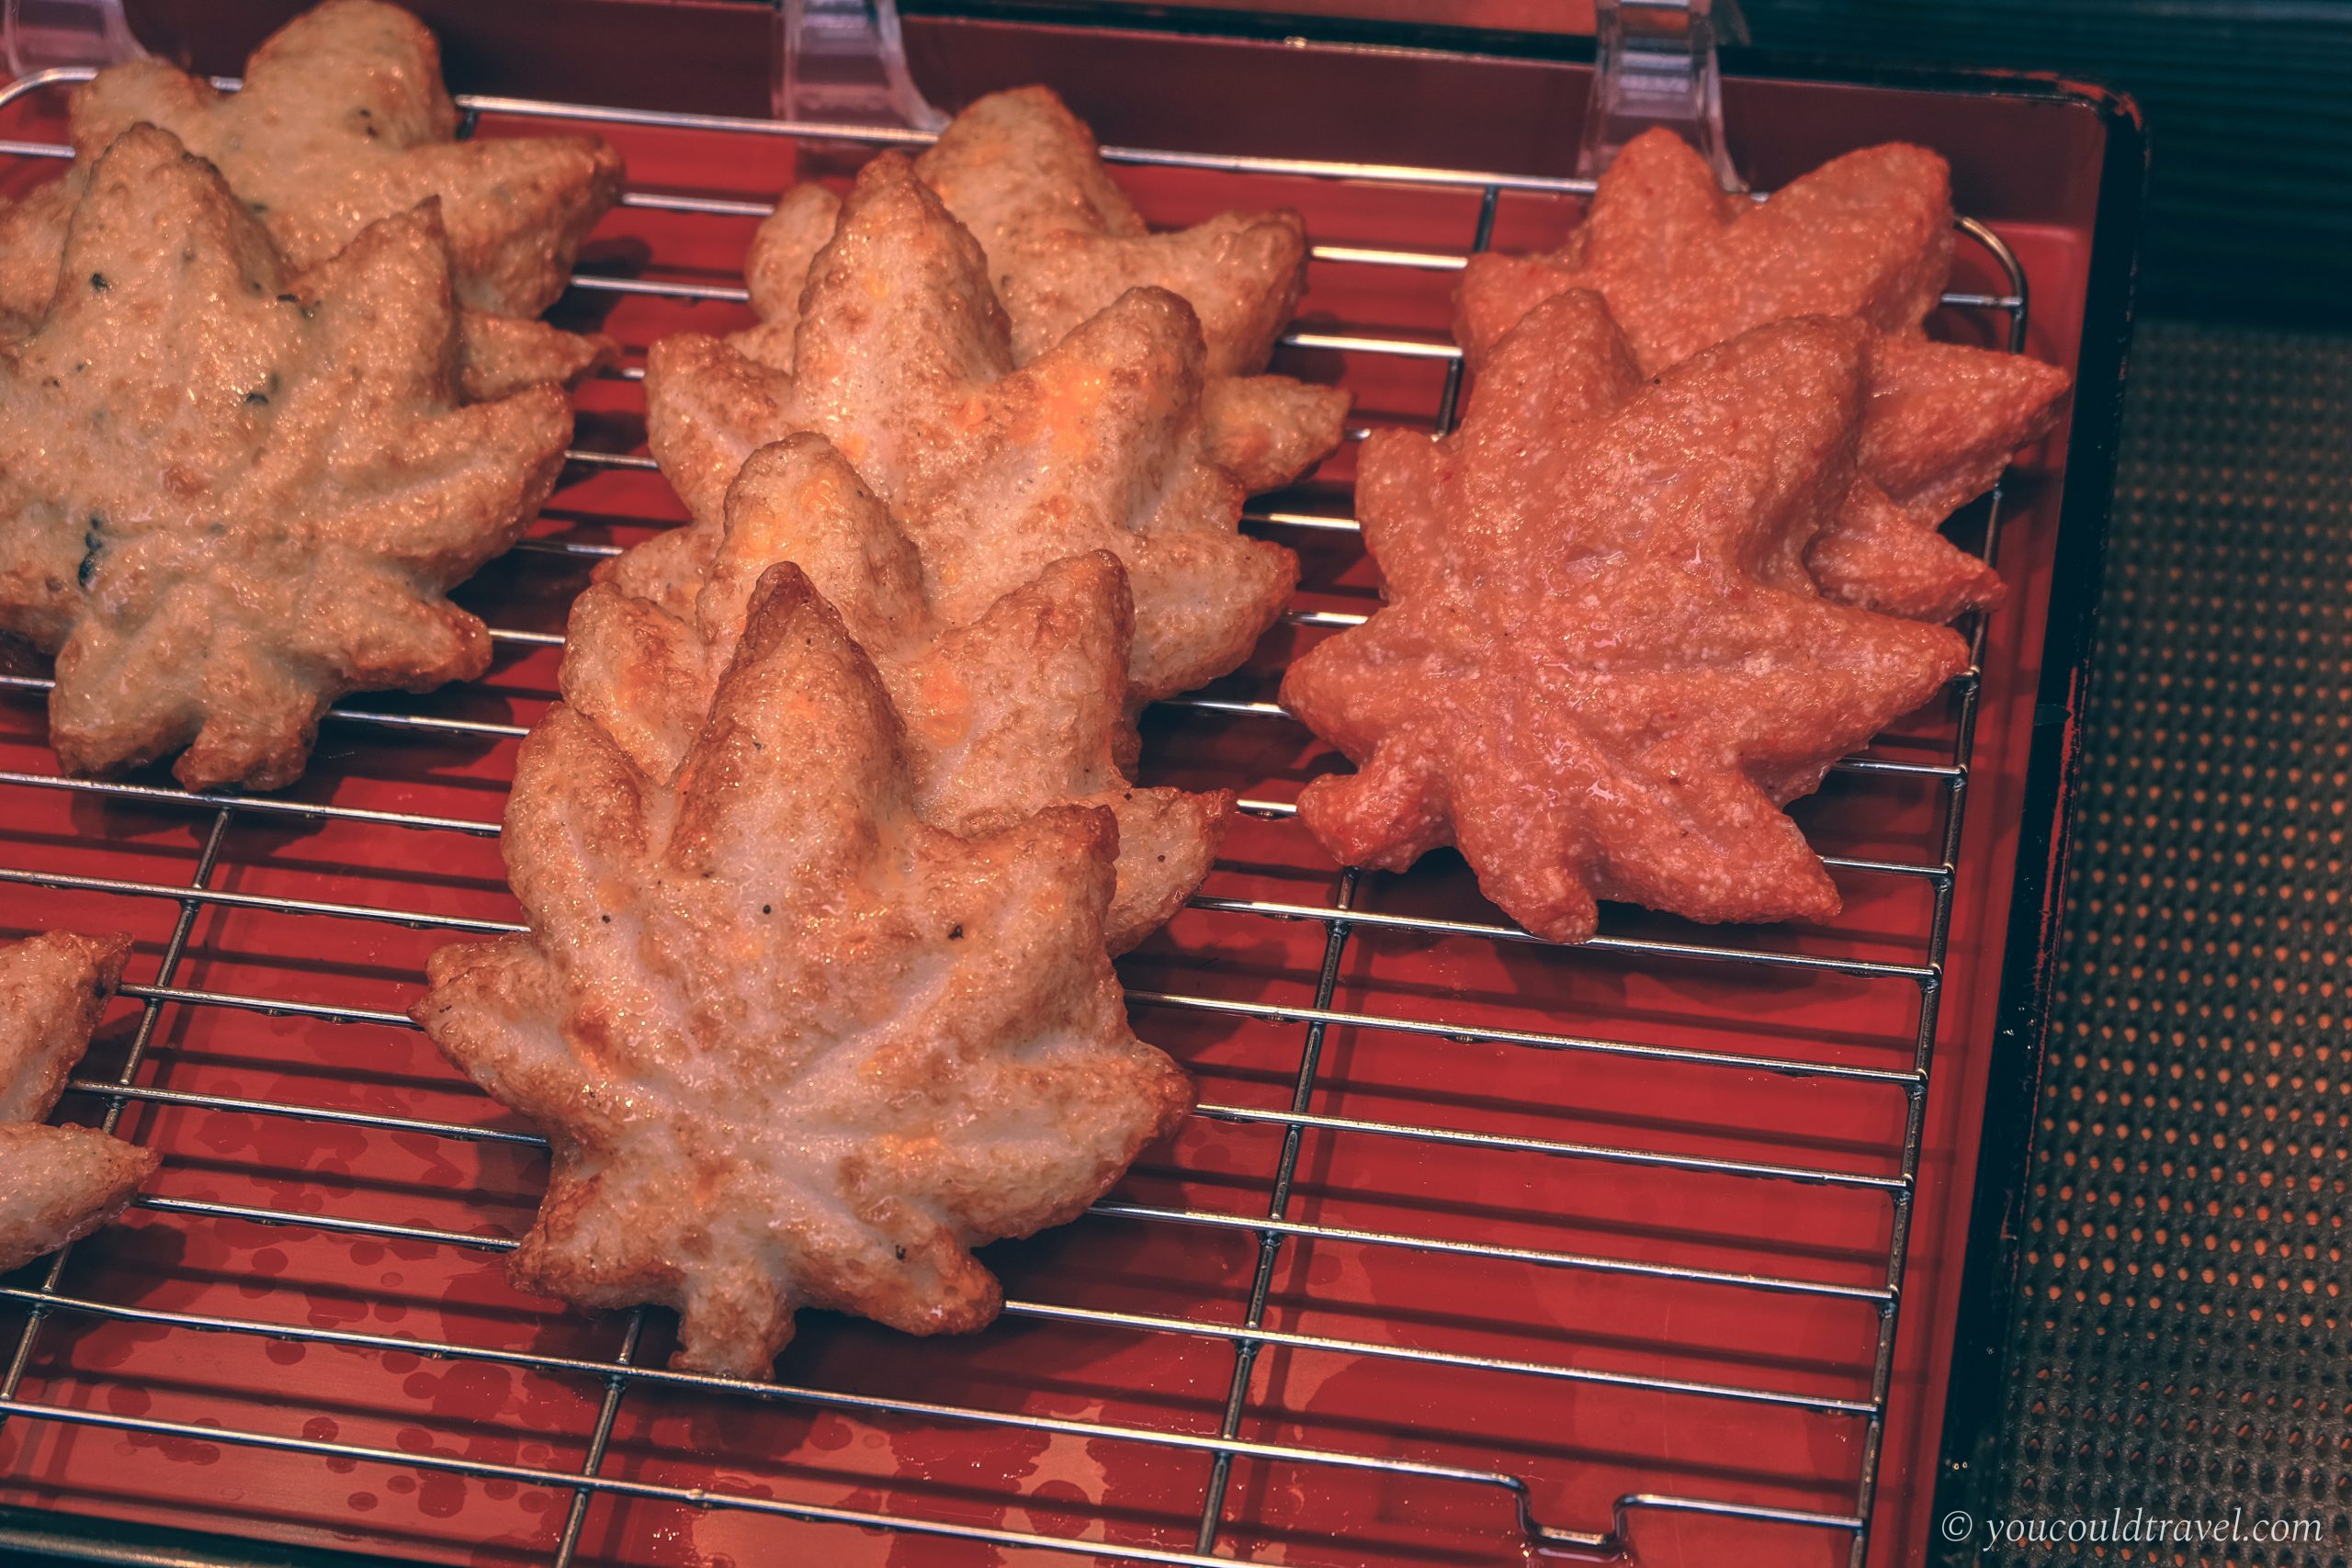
{"x":40,"y":34}
{"x":837,"y":61}
{"x":1654,"y":63}
{"x":844,"y":62}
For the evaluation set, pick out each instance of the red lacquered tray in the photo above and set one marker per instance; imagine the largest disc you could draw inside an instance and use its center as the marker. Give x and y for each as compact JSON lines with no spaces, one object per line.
{"x":1479,"y":1248}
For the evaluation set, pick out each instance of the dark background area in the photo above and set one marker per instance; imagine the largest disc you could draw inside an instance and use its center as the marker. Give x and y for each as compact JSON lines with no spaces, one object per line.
{"x":2249,"y":110}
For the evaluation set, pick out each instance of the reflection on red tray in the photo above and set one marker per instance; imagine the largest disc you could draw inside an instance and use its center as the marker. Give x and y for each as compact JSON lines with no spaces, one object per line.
{"x":1556,"y":1227}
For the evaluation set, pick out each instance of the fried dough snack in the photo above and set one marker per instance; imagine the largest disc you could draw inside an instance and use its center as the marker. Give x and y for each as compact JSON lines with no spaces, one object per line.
{"x":497,"y":355}
{"x":1685,"y":266}
{"x":1023,"y":708}
{"x":1603,"y":667}
{"x":343,"y":120}
{"x":792,"y":1047}
{"x":57,"y":1184}
{"x":904,"y":363}
{"x":230,"y":495}
{"x":1063,"y":242}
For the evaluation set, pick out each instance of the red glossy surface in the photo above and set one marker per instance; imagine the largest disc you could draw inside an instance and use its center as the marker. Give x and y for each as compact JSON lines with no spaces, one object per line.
{"x":1580,"y":1441}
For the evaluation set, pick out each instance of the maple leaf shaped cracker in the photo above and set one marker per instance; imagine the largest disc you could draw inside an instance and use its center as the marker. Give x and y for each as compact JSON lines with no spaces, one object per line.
{"x":902,"y":361}
{"x":341,"y":121}
{"x":57,"y":1184}
{"x":792,"y":1046}
{"x":497,"y":355}
{"x":1603,"y":667}
{"x":1063,"y":242}
{"x":230,"y":495}
{"x":1684,"y":266}
{"x":1024,"y":709}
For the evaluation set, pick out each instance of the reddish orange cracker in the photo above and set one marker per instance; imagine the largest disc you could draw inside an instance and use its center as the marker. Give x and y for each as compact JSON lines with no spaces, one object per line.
{"x":1684,"y":266}
{"x":1604,"y":666}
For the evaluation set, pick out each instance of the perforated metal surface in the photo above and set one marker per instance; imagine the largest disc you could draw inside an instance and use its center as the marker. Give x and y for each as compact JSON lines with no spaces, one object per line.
{"x":2181,"y":1343}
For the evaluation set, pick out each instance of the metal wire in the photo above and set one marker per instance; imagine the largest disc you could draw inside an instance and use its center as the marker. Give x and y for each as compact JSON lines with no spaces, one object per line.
{"x":1274,"y":1228}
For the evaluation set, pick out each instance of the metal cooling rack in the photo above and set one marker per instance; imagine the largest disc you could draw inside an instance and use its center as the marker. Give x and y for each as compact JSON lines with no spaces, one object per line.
{"x":221,"y":813}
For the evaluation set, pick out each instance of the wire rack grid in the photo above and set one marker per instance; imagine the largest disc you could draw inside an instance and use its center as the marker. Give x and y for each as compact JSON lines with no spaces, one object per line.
{"x":1290,"y":1120}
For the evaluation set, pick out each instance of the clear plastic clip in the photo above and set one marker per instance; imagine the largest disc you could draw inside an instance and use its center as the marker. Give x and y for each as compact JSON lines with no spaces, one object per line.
{"x":844,"y":62}
{"x":1654,"y":64}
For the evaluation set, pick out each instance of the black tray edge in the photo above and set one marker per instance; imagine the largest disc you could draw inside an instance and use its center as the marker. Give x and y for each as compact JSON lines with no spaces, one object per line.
{"x":1987,"y":1308}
